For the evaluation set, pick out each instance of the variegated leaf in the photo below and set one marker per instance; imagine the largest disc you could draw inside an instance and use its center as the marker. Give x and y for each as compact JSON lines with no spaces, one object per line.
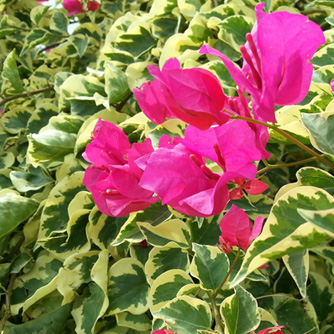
{"x":240,"y":312}
{"x":298,"y":265}
{"x":210,"y":266}
{"x":162,"y":259}
{"x":36,"y":283}
{"x":171,"y":233}
{"x":166,"y":287}
{"x":128,"y":289}
{"x":288,"y":230}
{"x":186,"y":315}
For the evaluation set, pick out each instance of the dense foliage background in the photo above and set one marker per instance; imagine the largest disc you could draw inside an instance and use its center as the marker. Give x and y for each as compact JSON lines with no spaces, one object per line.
{"x":67,"y":268}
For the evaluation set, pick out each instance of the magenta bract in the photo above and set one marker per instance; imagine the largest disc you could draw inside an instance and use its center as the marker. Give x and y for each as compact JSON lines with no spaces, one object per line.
{"x":193,"y":95}
{"x":93,"y":6}
{"x":276,"y":70}
{"x":181,"y":179}
{"x":113,"y":178}
{"x":73,"y":6}
{"x":231,"y":145}
{"x":237,"y":230}
{"x":177,"y":171}
{"x":274,"y":330}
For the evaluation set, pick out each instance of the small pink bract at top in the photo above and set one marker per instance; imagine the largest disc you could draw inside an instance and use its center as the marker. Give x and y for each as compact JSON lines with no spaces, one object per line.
{"x":273,"y":330}
{"x":73,"y":6}
{"x":237,"y":230}
{"x":93,"y":6}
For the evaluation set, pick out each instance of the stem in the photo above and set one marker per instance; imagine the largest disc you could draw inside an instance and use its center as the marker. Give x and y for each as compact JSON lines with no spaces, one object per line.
{"x":50,"y":47}
{"x":14,"y":97}
{"x":313,"y":11}
{"x":286,"y":135}
{"x":268,"y":167}
{"x":123,"y":103}
{"x":218,"y":320}
{"x":270,"y":296}
{"x":17,"y":27}
{"x":216,"y":314}
{"x":310,"y":330}
{"x":8,"y":294}
{"x":214,"y":295}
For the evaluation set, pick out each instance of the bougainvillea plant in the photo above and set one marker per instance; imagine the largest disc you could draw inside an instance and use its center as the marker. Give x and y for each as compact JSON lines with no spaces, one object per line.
{"x":166,"y":167}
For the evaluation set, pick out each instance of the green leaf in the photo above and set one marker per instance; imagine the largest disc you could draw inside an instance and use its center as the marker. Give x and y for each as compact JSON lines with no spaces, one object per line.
{"x":15,"y":120}
{"x":76,"y":271}
{"x":116,"y":83}
{"x":50,"y":145}
{"x":293,"y":232}
{"x":296,"y":315}
{"x":128,"y":289}
{"x":189,"y":8}
{"x":15,"y":209}
{"x":74,"y":238}
{"x":37,"y":13}
{"x":311,"y":176}
{"x":55,"y":216}
{"x":49,"y":323}
{"x":76,"y":87}
{"x":324,"y":56}
{"x":171,"y":233}
{"x":186,"y":315}
{"x":88,"y":311}
{"x":297,"y":265}
{"x":65,"y":122}
{"x":321,"y":295}
{"x":163,"y":259}
{"x":10,"y":75}
{"x":80,"y":42}
{"x":321,"y":218}
{"x":209,"y":265}
{"x":207,"y":232}
{"x":235,"y":27}
{"x":40,"y":117}
{"x":288,"y":119}
{"x":324,"y":74}
{"x":162,"y":6}
{"x":240,"y":312}
{"x":164,"y":27}
{"x":321,"y":127}
{"x":7,"y":159}
{"x":330,"y":20}
{"x":32,"y":179}
{"x":139,"y":322}
{"x":35,"y":37}
{"x":166,"y":287}
{"x":103,"y":229}
{"x":59,"y":22}
{"x":136,"y":43}
{"x":130,"y":231}
{"x":36,"y":283}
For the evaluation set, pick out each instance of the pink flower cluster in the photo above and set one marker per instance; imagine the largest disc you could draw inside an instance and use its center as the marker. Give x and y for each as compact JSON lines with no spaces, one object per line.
{"x":276,"y":71}
{"x":113,"y":178}
{"x":75,"y":6}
